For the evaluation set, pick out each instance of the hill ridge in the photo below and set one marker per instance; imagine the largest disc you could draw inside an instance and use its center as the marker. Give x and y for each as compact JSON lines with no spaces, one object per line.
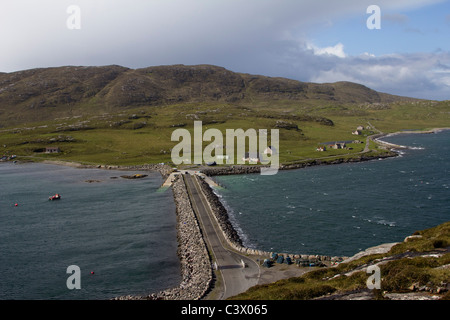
{"x":43,"y":94}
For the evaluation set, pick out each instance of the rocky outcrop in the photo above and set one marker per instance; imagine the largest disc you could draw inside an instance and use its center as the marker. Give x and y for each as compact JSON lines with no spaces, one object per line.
{"x":134,"y":176}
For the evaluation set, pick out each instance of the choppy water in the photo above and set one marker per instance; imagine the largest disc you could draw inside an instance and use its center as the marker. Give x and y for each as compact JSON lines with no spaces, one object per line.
{"x":122,"y":230}
{"x":342,"y":209}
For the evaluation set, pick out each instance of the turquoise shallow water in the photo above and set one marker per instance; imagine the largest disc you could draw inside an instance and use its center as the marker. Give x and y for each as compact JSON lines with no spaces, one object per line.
{"x":342,"y":209}
{"x":122,"y":230}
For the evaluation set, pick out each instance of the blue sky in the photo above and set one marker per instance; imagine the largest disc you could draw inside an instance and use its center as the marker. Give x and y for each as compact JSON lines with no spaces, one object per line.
{"x":424,"y":29}
{"x":307,"y":40}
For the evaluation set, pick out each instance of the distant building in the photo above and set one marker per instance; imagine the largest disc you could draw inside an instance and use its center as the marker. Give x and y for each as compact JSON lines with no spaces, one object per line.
{"x":360,"y":128}
{"x":339,"y":145}
{"x":222,"y":157}
{"x":357,"y":132}
{"x":251,"y":157}
{"x":270,"y":150}
{"x":52,"y":150}
{"x":321,"y":148}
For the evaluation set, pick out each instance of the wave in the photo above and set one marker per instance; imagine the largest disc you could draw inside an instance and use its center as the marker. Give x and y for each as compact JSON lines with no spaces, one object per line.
{"x":396,"y":146}
{"x":386,"y":223}
{"x":233,"y":220}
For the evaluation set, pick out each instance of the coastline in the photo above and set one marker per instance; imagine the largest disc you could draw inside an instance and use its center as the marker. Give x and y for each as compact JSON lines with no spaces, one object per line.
{"x":165,"y":170}
{"x":361,"y":157}
{"x":222,"y":171}
{"x":196,"y":267}
{"x":392,"y":146}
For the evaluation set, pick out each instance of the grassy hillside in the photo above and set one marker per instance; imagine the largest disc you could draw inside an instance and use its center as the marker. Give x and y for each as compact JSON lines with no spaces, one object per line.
{"x":47,"y":93}
{"x":418,"y":267}
{"x":116,"y":115}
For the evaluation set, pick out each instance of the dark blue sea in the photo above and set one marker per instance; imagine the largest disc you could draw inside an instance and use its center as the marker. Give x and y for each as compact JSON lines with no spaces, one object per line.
{"x":124,"y":231}
{"x":343,"y":209}
{"x":121,"y":233}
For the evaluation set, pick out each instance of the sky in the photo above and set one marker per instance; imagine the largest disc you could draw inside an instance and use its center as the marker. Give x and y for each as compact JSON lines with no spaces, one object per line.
{"x":402,"y":49}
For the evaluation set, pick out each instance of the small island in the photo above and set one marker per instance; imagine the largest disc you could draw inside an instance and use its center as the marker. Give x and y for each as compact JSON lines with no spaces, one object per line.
{"x":135,"y":176}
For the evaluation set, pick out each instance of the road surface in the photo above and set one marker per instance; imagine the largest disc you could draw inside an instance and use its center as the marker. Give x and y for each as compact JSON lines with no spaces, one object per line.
{"x":235,"y":278}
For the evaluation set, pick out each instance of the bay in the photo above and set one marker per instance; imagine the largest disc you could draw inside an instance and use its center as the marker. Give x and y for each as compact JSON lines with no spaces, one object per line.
{"x":339,"y":210}
{"x":120,"y":233}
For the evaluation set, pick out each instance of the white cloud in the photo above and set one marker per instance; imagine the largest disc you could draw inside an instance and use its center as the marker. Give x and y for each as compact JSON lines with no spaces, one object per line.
{"x":337,"y":50}
{"x":255,"y":36}
{"x":415,"y":75}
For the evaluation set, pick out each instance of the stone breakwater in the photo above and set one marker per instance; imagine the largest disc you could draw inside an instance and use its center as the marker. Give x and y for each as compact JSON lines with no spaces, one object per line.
{"x":220,"y":214}
{"x":231,"y":235}
{"x":196,"y":269}
{"x":241,"y":169}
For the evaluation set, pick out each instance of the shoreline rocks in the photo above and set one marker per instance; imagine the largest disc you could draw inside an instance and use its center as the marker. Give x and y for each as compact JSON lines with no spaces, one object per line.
{"x":248,"y":169}
{"x":220,"y":214}
{"x":163,"y":169}
{"x":135,"y":176}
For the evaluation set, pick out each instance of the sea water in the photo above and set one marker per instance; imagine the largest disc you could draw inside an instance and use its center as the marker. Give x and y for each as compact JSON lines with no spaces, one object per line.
{"x":339,"y":210}
{"x":121,"y":233}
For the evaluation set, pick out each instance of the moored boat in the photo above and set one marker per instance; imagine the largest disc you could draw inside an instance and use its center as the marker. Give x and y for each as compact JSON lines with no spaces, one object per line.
{"x":55,"y":197}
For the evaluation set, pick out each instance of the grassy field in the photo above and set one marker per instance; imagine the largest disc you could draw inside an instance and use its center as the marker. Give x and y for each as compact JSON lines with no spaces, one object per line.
{"x":143,"y":135}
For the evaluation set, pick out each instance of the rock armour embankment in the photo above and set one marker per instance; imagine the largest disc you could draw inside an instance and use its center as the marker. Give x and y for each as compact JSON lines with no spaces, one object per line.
{"x":249,"y":169}
{"x":232,"y":236}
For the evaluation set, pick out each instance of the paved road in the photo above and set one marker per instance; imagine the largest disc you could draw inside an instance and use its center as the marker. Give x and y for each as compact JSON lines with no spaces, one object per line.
{"x":236,"y":278}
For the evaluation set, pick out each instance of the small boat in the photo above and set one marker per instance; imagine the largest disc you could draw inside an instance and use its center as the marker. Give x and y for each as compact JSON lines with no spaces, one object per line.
{"x":55,"y":197}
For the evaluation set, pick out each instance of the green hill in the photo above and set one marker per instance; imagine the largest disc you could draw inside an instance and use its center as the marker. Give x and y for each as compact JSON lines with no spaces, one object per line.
{"x":45,"y":94}
{"x":117,"y":115}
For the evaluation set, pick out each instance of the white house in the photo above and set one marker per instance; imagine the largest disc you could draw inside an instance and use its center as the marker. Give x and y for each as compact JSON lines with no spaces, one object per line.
{"x":339,"y":145}
{"x":52,"y":150}
{"x":251,"y":157}
{"x":222,"y":157}
{"x":270,"y":150}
